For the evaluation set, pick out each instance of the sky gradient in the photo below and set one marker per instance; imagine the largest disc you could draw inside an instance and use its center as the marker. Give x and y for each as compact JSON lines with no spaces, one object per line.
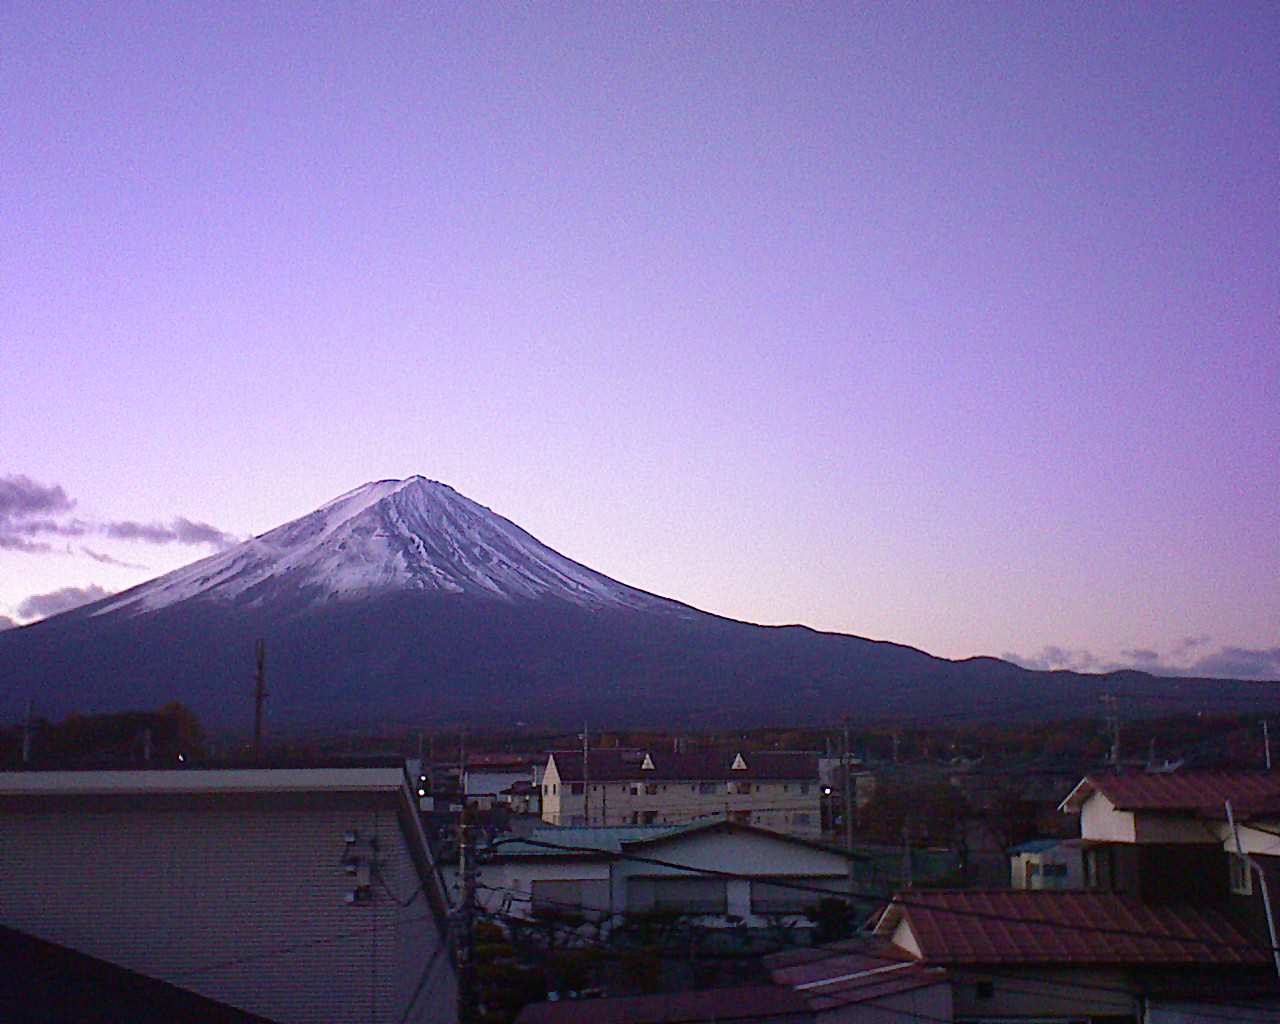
{"x":954,"y":325}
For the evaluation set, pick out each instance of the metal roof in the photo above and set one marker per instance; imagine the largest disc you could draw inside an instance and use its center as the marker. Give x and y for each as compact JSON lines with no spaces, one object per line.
{"x":1048,"y":927}
{"x":844,"y":975}
{"x":1203,"y":793}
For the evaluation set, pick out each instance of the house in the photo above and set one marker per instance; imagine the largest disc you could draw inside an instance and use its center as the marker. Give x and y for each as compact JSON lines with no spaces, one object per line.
{"x":718,"y":871}
{"x":299,"y":894}
{"x":1170,"y":836}
{"x":777,"y":790}
{"x":1071,"y":955}
{"x":1047,"y":864}
{"x":1171,"y":923}
{"x":490,"y":775}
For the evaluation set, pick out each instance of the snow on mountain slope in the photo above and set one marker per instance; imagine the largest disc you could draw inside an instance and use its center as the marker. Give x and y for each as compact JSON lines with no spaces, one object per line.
{"x":390,"y":535}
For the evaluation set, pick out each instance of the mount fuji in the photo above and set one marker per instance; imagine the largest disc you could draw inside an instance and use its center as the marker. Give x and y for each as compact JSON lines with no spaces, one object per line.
{"x":404,"y":602}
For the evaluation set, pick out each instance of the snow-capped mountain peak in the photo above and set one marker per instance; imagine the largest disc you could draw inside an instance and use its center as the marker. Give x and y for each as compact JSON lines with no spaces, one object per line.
{"x":390,"y":535}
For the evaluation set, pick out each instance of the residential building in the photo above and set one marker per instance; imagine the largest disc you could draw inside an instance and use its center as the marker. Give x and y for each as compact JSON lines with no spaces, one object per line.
{"x":1047,"y":864}
{"x":299,"y":894}
{"x":720,"y":872}
{"x":1071,"y":956}
{"x":1172,"y":920}
{"x":490,"y":775}
{"x":775,"y":790}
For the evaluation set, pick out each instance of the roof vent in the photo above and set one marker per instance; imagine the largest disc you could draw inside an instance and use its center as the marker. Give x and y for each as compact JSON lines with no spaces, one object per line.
{"x":647,"y":763}
{"x":738,"y":765}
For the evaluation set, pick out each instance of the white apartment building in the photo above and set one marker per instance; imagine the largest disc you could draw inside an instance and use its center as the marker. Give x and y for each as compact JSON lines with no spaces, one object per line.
{"x":776,"y":790}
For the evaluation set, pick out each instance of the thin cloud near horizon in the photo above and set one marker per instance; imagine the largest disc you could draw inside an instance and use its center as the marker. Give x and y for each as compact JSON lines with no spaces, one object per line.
{"x":31,"y":511}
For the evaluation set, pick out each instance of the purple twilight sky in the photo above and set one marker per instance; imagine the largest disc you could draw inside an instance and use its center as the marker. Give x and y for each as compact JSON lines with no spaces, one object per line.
{"x":951,"y":324}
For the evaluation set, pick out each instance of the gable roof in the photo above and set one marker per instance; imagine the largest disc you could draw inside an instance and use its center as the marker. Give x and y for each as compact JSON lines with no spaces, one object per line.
{"x":617,"y":765}
{"x":617,"y":840}
{"x":1048,"y":927}
{"x":1203,"y":793}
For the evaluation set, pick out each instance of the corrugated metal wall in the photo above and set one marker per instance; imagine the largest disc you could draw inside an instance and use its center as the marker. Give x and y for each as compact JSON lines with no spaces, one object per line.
{"x":245,"y":906}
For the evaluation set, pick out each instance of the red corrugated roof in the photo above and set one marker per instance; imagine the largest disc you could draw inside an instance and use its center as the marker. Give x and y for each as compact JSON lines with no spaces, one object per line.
{"x":609,"y":765}
{"x":829,"y":977}
{"x":1191,"y":792}
{"x":1024,"y":926}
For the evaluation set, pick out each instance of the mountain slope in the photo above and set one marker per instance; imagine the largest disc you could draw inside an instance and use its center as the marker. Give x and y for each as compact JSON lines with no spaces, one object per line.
{"x":405,"y":602}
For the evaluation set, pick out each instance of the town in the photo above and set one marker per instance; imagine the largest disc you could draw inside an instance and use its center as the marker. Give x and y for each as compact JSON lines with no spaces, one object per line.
{"x":972,"y":873}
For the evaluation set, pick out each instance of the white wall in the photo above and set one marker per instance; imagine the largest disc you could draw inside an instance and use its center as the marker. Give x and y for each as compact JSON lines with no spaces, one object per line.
{"x":1100,"y":821}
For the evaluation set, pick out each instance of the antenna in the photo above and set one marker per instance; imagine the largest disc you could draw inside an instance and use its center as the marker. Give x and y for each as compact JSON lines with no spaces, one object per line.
{"x":259,"y":694}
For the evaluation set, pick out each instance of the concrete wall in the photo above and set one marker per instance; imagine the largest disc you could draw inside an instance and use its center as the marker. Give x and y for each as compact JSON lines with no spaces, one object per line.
{"x":242,"y":904}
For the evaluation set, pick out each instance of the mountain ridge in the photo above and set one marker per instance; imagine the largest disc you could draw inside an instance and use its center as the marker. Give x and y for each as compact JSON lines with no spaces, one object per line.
{"x":405,"y":601}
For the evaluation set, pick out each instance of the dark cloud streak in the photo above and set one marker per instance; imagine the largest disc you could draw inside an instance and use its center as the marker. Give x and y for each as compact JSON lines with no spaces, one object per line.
{"x":41,"y":606}
{"x":28,"y":510}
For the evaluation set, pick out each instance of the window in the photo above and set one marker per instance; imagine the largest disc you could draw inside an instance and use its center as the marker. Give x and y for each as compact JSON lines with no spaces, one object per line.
{"x":1033,"y":869}
{"x":1241,"y":877}
{"x":804,"y":789}
{"x":651,"y":789}
{"x":739,"y":787}
{"x":648,"y":817}
{"x":576,"y":788}
{"x":1054,"y":871}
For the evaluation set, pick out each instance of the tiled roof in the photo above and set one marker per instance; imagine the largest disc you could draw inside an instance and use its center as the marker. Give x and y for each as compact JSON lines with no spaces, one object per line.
{"x":748,"y":1002}
{"x":850,"y":973}
{"x":1046,"y":927}
{"x":608,"y":765}
{"x":1202,"y":793}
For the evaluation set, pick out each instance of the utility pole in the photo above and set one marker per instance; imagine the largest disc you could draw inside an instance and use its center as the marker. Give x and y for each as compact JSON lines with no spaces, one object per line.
{"x":467,"y":994}
{"x":259,"y":694}
{"x":846,"y":790}
{"x":462,"y":767}
{"x":586,"y":778}
{"x":1266,"y":743}
{"x":26,"y":735}
{"x":1113,"y":725}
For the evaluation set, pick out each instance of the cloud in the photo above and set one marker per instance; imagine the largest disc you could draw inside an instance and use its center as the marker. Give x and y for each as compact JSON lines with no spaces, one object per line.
{"x":30,"y":510}
{"x":1053,"y":658}
{"x":1239,"y":663}
{"x":40,"y":606}
{"x":22,"y":496}
{"x":7,"y":623}
{"x":179,"y":531}
{"x":106,"y":559}
{"x":1224,"y":663}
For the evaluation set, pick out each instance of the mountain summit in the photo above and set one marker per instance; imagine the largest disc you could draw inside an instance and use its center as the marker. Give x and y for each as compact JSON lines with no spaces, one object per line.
{"x":390,"y":536}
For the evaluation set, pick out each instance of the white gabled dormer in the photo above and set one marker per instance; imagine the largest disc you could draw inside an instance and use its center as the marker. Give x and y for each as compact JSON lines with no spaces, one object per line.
{"x":739,"y":765}
{"x":647,"y":764}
